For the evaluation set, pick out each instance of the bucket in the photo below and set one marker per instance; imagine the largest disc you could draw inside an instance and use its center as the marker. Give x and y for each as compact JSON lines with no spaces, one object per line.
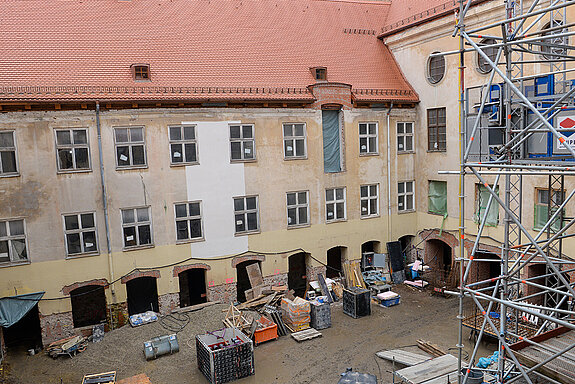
{"x":475,"y":376}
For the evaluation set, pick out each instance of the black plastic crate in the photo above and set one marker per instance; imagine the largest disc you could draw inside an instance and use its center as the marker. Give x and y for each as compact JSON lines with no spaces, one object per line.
{"x":225,"y":355}
{"x":356,"y":302}
{"x":320,"y":315}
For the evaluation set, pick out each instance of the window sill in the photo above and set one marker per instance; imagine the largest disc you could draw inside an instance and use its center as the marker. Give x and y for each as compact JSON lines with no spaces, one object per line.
{"x":405,"y":211}
{"x":437,"y":151}
{"x":255,"y":232}
{"x":369,"y":217}
{"x":127,"y":168}
{"x":368,"y":154}
{"x":336,"y":221}
{"x":67,"y":171}
{"x":13,"y":264}
{"x":137,"y":247}
{"x":184,"y":164}
{"x":295,"y":158}
{"x":405,"y":152}
{"x":82,"y":255}
{"x":243,"y":161}
{"x":297,"y":226}
{"x":437,"y":214}
{"x":2,"y":175}
{"x":188,"y":241}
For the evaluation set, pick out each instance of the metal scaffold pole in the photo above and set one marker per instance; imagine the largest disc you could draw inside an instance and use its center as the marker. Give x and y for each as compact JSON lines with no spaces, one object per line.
{"x":511,"y":130}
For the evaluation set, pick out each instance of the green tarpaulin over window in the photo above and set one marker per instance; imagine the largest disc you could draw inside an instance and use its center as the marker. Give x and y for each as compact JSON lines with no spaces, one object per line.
{"x":492,"y":218}
{"x":437,"y":197}
{"x":331,"y":141}
{"x":542,"y":216}
{"x":13,"y":308}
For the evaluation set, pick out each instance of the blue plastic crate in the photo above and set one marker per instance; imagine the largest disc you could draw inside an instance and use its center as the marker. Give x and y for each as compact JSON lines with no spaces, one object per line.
{"x":390,"y":302}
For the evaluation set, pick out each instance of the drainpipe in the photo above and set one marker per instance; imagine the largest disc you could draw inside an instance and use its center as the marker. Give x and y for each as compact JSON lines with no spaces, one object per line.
{"x":105,"y":199}
{"x":388,"y":176}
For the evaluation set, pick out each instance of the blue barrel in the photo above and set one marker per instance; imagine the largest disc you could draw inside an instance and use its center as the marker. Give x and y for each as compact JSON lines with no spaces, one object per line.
{"x":161,"y":345}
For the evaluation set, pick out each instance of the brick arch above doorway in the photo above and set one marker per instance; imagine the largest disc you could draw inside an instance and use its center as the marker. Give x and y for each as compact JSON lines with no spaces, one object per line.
{"x":435,"y":234}
{"x":182,"y":268}
{"x":240,"y":259}
{"x":69,"y":288}
{"x":137,"y":274}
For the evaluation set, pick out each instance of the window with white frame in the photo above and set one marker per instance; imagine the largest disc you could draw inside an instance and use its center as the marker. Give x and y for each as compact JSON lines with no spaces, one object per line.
{"x":368,"y":138}
{"x":297,"y":208}
{"x":130,"y":147}
{"x":80,"y":231}
{"x":183,"y":145}
{"x":136,"y":227}
{"x":242,"y":142}
{"x":294,"y":141}
{"x":405,"y":196}
{"x":8,"y":164}
{"x":188,"y":221}
{"x":369,"y":199}
{"x":12,"y":241}
{"x":404,"y":137}
{"x":335,"y":204}
{"x":246,"y":214}
{"x":73,"y":151}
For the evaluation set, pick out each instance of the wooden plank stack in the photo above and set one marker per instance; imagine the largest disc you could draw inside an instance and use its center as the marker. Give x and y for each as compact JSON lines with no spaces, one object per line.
{"x":432,"y":349}
{"x":306,"y":334}
{"x":100,"y":378}
{"x":352,"y":274}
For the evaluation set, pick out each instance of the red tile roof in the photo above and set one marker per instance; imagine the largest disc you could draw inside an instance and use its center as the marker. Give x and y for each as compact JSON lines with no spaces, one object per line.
{"x":196,"y":49}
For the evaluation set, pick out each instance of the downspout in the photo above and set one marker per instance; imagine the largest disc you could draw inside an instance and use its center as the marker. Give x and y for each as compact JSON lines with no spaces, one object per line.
{"x":105,"y":200}
{"x":388,"y":176}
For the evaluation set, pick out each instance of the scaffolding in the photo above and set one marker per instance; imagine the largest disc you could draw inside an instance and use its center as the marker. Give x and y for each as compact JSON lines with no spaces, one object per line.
{"x":518,"y":130}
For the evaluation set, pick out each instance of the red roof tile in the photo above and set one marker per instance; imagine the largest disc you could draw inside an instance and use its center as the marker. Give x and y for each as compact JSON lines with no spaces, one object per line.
{"x":83,"y":49}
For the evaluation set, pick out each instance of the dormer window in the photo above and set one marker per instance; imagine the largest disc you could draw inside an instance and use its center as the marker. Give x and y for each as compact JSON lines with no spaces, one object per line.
{"x":319,"y":73}
{"x":141,"y":72}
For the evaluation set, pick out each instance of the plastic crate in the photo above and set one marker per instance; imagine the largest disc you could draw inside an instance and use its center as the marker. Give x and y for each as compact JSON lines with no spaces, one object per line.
{"x":269,"y":332}
{"x":225,"y":355}
{"x":390,"y":302}
{"x":320,"y":315}
{"x":356,"y":302}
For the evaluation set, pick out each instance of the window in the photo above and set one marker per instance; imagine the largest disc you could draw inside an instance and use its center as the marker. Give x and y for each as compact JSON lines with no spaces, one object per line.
{"x":367,"y":138}
{"x":542,"y":204}
{"x":183,"y":146}
{"x":246,"y":214}
{"x":137,"y":227}
{"x":80,"y":230}
{"x":319,"y":73}
{"x":188,"y":221}
{"x":405,"y":198}
{"x":554,"y":46}
{"x":243,"y":146}
{"x":72,"y":149}
{"x":294,"y":141}
{"x":130,"y":147}
{"x":369,"y":199}
{"x":437,"y":198}
{"x":436,"y":134}
{"x":435,"y":68}
{"x":141,"y":72}
{"x":481,"y":198}
{"x":491,"y":52}
{"x":331,"y":131}
{"x":404,"y":137}
{"x":12,"y":241}
{"x":335,"y":204}
{"x":297,"y":208}
{"x":7,"y":154}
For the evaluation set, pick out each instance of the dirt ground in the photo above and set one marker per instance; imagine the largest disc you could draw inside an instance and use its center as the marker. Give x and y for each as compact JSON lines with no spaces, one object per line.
{"x":348,"y":343}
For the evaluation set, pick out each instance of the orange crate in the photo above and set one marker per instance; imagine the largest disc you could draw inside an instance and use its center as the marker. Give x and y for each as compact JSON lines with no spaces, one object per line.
{"x":268,"y":332}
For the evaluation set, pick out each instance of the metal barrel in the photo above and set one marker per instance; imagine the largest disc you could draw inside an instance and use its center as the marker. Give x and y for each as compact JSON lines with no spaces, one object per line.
{"x":161,"y":345}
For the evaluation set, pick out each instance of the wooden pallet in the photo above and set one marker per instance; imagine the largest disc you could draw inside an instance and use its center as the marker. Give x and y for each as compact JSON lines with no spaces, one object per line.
{"x":100,"y":378}
{"x":306,"y":334}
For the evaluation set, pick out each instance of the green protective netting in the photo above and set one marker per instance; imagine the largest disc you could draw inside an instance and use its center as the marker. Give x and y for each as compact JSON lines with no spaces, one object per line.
{"x":493,"y":214}
{"x":541,"y":216}
{"x":331,"y":141}
{"x":438,"y":197}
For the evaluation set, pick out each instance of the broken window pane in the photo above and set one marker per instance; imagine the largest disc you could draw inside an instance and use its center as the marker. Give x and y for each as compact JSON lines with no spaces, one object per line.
{"x":73,"y":241}
{"x":89,"y":241}
{"x":138,"y":154}
{"x":182,"y":229}
{"x":82,"y":158}
{"x":19,"y":250}
{"x":65,"y":159}
{"x":8,"y":162}
{"x":196,"y":228}
{"x":144,"y":234}
{"x":4,"y":255}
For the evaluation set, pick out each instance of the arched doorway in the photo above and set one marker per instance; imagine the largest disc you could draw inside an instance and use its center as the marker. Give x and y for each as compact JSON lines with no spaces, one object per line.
{"x":335,"y":257}
{"x":408,"y":248}
{"x":438,"y":255}
{"x":142,"y":295}
{"x":88,"y":305}
{"x":297,"y":279}
{"x":243,"y":281}
{"x":192,"y":287}
{"x":368,"y":249}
